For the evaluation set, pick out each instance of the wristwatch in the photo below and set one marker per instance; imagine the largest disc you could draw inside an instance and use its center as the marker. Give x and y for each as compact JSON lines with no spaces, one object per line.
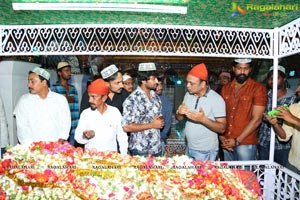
{"x":236,"y":142}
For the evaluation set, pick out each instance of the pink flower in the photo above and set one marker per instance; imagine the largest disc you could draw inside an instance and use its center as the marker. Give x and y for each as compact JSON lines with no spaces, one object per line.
{"x":126,"y":188}
{"x":165,"y":162}
{"x":48,"y":151}
{"x":150,"y":162}
{"x":111,"y":195}
{"x":25,"y":187}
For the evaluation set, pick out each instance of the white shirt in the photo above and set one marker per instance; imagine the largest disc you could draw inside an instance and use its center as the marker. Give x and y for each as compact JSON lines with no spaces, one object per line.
{"x":39,"y":119}
{"x":107,"y":128}
{"x":3,"y":126}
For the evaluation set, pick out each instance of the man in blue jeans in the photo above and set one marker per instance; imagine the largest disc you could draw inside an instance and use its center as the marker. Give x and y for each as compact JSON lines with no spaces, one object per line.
{"x":205,"y":114}
{"x":284,"y":96}
{"x":246,"y":101}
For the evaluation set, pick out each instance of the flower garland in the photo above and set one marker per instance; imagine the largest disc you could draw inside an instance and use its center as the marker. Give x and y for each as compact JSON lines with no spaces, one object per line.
{"x":60,"y":171}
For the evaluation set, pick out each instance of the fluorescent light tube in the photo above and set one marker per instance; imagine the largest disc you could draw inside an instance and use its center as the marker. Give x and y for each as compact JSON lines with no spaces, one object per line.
{"x":102,"y":7}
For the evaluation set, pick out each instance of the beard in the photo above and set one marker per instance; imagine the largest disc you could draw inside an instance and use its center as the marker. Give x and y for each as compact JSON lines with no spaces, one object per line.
{"x":93,"y":107}
{"x":118,"y":91}
{"x":153,"y":87}
{"x":241,"y":78}
{"x":65,"y":77}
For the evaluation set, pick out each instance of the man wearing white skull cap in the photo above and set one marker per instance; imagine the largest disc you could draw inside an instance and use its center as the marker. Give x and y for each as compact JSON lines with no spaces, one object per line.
{"x":142,"y":116}
{"x":128,"y":83}
{"x":64,"y":87}
{"x":117,"y":95}
{"x":245,"y":101}
{"x":42,"y":115}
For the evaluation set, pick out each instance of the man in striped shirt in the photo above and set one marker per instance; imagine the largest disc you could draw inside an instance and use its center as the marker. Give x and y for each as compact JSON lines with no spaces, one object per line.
{"x":63,"y":87}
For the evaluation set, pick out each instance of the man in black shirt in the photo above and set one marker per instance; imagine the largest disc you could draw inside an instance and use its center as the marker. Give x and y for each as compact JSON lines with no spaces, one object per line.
{"x":117,"y":94}
{"x":114,"y":79}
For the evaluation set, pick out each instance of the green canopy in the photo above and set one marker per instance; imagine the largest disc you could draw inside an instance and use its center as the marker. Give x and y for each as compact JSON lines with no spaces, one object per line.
{"x":243,"y":14}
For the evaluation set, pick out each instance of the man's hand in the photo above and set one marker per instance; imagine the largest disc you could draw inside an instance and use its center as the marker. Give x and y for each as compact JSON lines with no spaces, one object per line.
{"x":89,"y":134}
{"x":158,"y":122}
{"x":196,"y":116}
{"x":70,"y":99}
{"x":227,"y":144}
{"x":182,"y":109}
{"x":271,"y":120}
{"x":62,"y":141}
{"x":285,"y":114}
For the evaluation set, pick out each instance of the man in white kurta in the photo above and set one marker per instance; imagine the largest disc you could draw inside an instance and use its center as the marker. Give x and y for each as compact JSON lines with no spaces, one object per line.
{"x":99,"y":126}
{"x":42,"y":115}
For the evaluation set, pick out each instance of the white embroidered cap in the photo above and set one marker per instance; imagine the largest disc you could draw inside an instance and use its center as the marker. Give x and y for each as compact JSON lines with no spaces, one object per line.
{"x":147,"y":67}
{"x":280,"y":68}
{"x":108,"y":71}
{"x":42,"y":72}
{"x":126,"y":77}
{"x":243,"y":60}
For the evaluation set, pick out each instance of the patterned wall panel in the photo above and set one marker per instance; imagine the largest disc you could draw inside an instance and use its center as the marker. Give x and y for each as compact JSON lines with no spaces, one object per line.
{"x":289,"y":36}
{"x":135,"y":40}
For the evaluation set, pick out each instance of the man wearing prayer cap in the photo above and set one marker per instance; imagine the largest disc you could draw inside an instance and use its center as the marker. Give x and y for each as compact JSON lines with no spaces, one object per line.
{"x":99,"y":126}
{"x":245,"y":101}
{"x":42,"y":115}
{"x":128,"y":83}
{"x":224,"y":78}
{"x":284,"y":96}
{"x":62,"y":86}
{"x":142,"y":116}
{"x":114,"y":79}
{"x":205,"y":114}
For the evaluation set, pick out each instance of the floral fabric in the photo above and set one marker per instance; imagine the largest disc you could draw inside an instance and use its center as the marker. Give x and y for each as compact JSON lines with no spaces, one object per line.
{"x":139,"y":109}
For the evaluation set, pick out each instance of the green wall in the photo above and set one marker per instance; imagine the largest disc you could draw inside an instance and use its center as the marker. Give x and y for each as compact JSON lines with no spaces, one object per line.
{"x":200,"y":13}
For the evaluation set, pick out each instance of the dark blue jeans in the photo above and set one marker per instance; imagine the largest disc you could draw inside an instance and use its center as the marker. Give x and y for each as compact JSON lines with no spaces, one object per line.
{"x":2,"y":151}
{"x":293,"y":168}
{"x":202,"y":155}
{"x":280,"y":156}
{"x":242,"y":152}
{"x":71,"y":140}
